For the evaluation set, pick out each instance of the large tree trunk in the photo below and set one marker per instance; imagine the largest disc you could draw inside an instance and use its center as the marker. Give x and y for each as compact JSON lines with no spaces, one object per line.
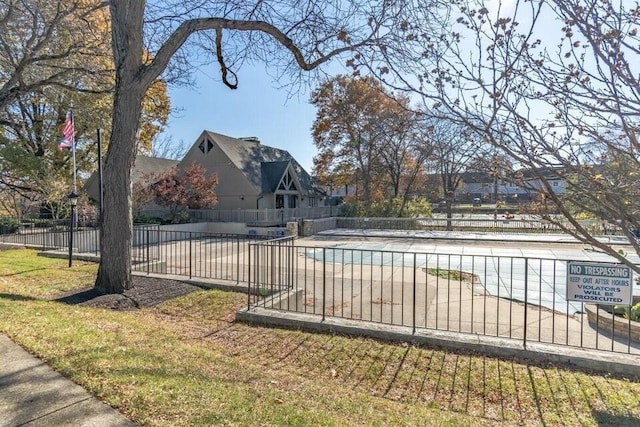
{"x":114,"y":273}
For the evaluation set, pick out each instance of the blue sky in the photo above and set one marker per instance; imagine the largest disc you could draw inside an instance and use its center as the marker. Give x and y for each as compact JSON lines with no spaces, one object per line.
{"x":257,"y":108}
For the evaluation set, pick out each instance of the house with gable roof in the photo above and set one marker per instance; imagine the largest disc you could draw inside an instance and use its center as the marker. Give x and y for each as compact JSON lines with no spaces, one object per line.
{"x":250,"y":175}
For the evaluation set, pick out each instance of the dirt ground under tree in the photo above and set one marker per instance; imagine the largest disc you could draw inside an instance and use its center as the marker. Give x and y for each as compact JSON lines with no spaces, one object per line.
{"x":146,"y":292}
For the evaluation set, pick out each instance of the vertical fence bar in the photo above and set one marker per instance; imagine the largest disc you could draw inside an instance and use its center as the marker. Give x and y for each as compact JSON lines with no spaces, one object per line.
{"x":526,"y":299}
{"x":553,"y":305}
{"x":498,"y":300}
{"x":274,"y":270}
{"x":190,"y":252}
{"x":238,"y":261}
{"x":460,"y":279}
{"x":148,"y":244}
{"x":511,"y":299}
{"x":437,"y":270}
{"x":324,"y":281}
{"x":473,"y":287}
{"x":249,"y":278}
{"x":540,"y":301}
{"x":257,"y":271}
{"x":414,"y":292}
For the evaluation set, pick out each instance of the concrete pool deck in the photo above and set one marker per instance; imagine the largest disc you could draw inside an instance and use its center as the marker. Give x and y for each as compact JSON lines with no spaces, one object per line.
{"x":490,"y":260}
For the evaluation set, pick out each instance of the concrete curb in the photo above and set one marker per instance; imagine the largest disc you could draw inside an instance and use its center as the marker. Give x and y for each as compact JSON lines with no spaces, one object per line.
{"x":624,"y":365}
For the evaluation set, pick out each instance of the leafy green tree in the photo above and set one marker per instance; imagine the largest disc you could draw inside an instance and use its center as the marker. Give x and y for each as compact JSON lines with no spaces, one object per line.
{"x":75,"y":47}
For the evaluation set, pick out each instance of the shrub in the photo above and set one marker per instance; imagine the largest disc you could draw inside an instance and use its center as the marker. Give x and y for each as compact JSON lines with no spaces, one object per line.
{"x":144,"y":219}
{"x":418,"y":207}
{"x":630,"y":312}
{"x":181,"y":217}
{"x":9,"y":225}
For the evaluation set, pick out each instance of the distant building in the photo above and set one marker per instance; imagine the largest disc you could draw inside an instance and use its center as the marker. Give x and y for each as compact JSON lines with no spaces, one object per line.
{"x":521,"y":185}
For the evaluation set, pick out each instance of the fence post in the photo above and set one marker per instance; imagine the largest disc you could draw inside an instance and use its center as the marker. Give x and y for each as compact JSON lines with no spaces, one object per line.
{"x":414,"y":294}
{"x":148,"y":258}
{"x":238,"y":262}
{"x":249,"y":277}
{"x":272,"y":252}
{"x":324,"y":281}
{"x":190,"y":251}
{"x":526,"y":294}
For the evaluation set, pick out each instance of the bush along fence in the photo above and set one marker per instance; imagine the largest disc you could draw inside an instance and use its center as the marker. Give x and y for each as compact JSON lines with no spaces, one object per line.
{"x":522,"y":299}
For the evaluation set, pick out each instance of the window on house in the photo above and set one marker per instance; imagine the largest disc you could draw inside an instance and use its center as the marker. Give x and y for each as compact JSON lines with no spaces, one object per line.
{"x":555,"y":183}
{"x":279,"y":201}
{"x":205,"y":146}
{"x":287,"y":183}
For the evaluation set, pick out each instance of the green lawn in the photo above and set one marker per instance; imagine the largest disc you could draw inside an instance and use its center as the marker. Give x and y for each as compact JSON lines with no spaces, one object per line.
{"x":187,"y":363}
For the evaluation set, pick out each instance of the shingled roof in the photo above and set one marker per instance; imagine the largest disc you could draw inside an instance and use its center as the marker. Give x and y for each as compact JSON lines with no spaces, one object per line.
{"x":144,"y":166}
{"x":259,"y":162}
{"x":272,"y":173}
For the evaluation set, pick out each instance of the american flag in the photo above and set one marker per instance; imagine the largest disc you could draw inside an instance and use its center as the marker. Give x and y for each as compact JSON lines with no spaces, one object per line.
{"x":68,"y":132}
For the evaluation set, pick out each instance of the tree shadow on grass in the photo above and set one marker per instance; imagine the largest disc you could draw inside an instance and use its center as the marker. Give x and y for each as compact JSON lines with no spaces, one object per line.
{"x":495,"y":390}
{"x":18,"y":273}
{"x":15,"y":297}
{"x":607,"y":419}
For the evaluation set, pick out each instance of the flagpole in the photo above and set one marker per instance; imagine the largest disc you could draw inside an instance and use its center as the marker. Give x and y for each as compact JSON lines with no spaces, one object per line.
{"x":69,"y":141}
{"x":73,"y":154}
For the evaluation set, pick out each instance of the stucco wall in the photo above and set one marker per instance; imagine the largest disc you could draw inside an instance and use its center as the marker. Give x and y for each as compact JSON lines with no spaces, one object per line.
{"x":233,"y":189}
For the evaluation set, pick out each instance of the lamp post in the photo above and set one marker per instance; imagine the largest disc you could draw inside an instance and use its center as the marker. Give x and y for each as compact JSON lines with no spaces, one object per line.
{"x":331,"y":199}
{"x":73,"y":201}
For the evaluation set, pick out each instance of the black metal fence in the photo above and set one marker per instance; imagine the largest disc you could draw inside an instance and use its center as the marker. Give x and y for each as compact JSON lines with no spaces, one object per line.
{"x":517,"y":298}
{"x":51,"y":233}
{"x":521,"y":299}
{"x":191,"y":254}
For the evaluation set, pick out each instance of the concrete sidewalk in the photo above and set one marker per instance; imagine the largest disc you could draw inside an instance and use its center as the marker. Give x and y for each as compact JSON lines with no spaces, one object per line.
{"x":33,"y":394}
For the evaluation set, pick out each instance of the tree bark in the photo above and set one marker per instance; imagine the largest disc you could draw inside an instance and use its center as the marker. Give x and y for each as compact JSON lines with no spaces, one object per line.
{"x":114,"y":272}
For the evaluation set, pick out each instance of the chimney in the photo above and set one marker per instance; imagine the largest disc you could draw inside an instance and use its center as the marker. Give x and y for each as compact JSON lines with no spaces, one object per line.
{"x":250,"y":139}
